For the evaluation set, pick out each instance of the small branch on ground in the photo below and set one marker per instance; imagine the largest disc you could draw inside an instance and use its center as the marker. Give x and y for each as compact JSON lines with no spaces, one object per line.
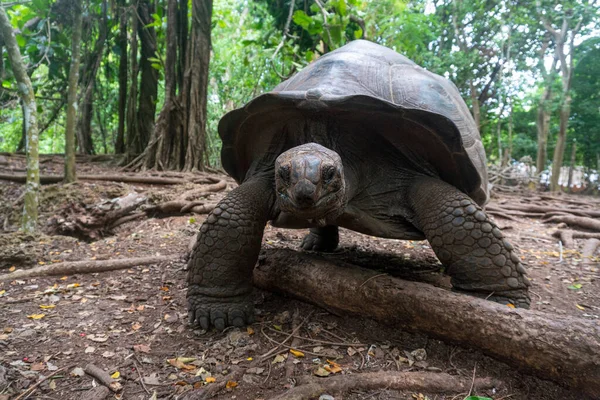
{"x":31,"y":389}
{"x":83,"y":267}
{"x":103,"y":377}
{"x":410,"y":381}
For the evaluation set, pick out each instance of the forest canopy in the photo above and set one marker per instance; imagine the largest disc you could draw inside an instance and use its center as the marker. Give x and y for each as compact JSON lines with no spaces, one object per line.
{"x":527,"y":70}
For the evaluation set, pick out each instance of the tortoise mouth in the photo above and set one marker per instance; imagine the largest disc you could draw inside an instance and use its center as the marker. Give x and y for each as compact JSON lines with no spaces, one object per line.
{"x":328,"y":206}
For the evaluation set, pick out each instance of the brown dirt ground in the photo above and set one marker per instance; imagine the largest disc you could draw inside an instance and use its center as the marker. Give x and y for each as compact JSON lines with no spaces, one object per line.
{"x":134,"y":321}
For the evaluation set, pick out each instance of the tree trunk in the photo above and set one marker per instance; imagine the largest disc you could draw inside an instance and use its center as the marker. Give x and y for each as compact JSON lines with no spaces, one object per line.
{"x":475,"y":109}
{"x":543,"y":126}
{"x":199,"y":56}
{"x":165,"y":151}
{"x":562,"y":348}
{"x":122,"y":43}
{"x":561,"y":141}
{"x":149,"y":76}
{"x":72,"y":94}
{"x":179,"y":141}
{"x":509,"y":149}
{"x":86,"y":105}
{"x":572,"y":166}
{"x":133,"y":146}
{"x":30,"y":210}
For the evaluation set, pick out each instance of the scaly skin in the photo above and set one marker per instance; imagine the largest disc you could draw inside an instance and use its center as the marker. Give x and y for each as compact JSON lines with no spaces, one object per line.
{"x":221,"y":264}
{"x":324,"y":239}
{"x":468,"y":243}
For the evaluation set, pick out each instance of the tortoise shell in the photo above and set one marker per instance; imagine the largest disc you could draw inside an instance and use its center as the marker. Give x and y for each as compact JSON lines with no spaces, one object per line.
{"x":417,"y":111}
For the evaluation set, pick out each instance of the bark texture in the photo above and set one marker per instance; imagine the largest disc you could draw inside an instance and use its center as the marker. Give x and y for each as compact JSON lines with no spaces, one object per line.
{"x":122,"y":43}
{"x":149,"y":76}
{"x":88,"y":83}
{"x":72,"y":94}
{"x":179,"y":140}
{"x":30,"y":210}
{"x":561,"y":348}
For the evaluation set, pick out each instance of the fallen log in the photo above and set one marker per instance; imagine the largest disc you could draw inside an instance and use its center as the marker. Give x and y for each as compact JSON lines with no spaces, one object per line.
{"x":579,"y":222}
{"x":49,"y":179}
{"x":94,"y":221}
{"x":83,"y":267}
{"x":429,"y":382}
{"x":562,"y":348}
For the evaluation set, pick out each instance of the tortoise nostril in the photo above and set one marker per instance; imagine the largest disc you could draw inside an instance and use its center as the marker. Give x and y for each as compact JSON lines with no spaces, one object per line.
{"x":304,"y":194}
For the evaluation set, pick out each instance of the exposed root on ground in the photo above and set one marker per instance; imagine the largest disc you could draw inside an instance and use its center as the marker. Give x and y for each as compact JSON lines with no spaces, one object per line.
{"x":430,"y":382}
{"x":83,"y":267}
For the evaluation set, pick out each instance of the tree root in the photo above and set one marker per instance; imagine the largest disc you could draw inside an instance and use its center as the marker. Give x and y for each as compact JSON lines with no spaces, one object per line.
{"x":566,"y":237}
{"x":579,"y":222}
{"x":531,"y":340}
{"x":589,"y":248}
{"x":83,"y":267}
{"x":429,"y":382}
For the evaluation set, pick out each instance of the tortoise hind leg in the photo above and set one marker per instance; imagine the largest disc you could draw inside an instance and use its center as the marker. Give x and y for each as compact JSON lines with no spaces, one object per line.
{"x":468,"y":243}
{"x":324,"y":239}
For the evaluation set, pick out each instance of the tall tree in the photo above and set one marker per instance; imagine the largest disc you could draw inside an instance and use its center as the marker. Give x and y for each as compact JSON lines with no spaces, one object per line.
{"x":543,"y":109}
{"x":27,"y":95}
{"x":179,"y":140}
{"x":72,"y":92}
{"x":149,"y":75}
{"x":122,"y":105}
{"x":564,"y":47}
{"x":87,"y":83}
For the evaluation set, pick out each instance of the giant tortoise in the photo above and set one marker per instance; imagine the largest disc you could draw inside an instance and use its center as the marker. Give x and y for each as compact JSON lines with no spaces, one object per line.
{"x":365,"y":139}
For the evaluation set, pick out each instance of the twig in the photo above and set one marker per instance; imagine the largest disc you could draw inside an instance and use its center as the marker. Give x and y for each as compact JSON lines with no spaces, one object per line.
{"x":286,"y":28}
{"x":371,"y":278}
{"x":268,"y":353}
{"x":473,"y":381}
{"x":325,"y":25}
{"x":31,"y":389}
{"x":137,"y":368}
{"x":347,"y":344}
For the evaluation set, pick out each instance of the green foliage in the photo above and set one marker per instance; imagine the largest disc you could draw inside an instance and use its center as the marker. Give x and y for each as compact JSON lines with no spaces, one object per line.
{"x":254,"y":48}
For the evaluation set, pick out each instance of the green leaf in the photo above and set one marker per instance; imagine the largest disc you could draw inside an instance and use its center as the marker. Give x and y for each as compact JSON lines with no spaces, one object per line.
{"x":358,"y":33}
{"x":302,"y":19}
{"x":156,"y":66}
{"x":309,"y":56}
{"x":575,"y":286}
{"x":341,"y":7}
{"x":221,"y":24}
{"x":21,"y":41}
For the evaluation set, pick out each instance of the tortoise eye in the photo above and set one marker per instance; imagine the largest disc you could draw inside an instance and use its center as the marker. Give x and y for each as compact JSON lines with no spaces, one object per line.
{"x":328,"y":173}
{"x":284,"y":173}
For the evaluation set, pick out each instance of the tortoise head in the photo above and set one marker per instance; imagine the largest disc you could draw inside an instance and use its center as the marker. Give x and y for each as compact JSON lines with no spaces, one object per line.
{"x":309,"y":180}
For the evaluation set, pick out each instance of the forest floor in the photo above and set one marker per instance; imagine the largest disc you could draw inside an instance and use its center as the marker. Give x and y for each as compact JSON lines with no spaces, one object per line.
{"x":132,"y":323}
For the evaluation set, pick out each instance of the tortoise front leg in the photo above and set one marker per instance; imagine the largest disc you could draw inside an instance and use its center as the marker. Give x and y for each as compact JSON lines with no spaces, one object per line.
{"x":222,"y":260}
{"x":477,"y":257}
